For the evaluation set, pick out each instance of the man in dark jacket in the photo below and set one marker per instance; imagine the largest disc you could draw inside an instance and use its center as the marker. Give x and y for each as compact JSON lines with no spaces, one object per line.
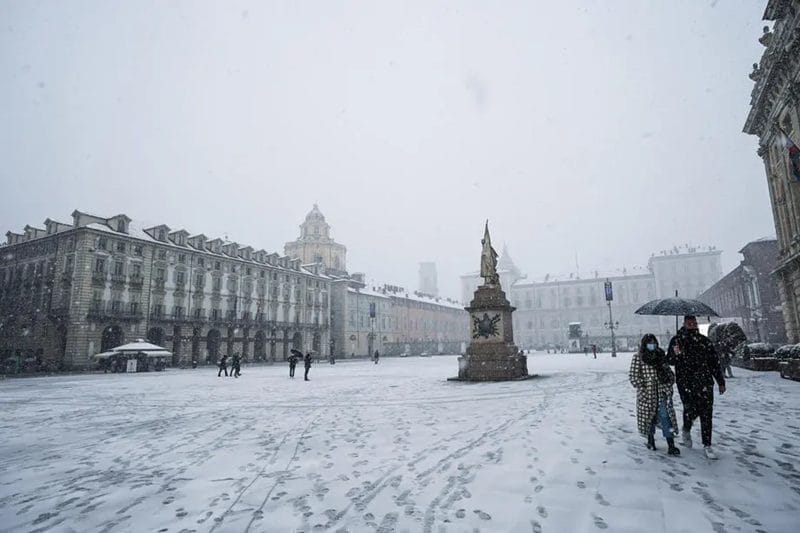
{"x":307,"y":363}
{"x":223,"y":366}
{"x":292,"y":364}
{"x":236,"y":366}
{"x":696,"y":368}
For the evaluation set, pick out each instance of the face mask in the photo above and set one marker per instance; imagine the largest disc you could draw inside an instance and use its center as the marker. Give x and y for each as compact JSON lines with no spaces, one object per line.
{"x":651,"y":347}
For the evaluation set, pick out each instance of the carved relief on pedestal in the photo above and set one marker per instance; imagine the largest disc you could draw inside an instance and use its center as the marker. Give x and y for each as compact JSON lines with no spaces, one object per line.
{"x":487,"y":326}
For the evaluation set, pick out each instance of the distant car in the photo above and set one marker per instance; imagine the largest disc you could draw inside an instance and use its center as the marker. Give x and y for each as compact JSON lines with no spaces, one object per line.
{"x":403,"y":355}
{"x":424,"y":354}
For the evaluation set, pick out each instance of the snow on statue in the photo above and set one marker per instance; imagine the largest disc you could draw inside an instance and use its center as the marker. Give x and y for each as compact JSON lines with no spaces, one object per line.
{"x":488,"y":259}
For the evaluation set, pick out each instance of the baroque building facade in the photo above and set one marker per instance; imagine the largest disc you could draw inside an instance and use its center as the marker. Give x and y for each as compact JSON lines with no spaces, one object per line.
{"x":775,"y":116}
{"x":748,"y":295}
{"x":315,"y":245}
{"x":70,"y":291}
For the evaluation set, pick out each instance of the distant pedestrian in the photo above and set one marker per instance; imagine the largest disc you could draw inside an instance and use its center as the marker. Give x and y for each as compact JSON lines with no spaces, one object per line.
{"x":653,"y":379}
{"x":696,"y":368}
{"x":292,"y":364}
{"x":725,"y":361}
{"x":594,"y":350}
{"x":376,"y":357}
{"x":194,"y":363}
{"x":236,"y":366}
{"x":332,"y":359}
{"x":307,"y":363}
{"x":585,"y":350}
{"x":223,"y":366}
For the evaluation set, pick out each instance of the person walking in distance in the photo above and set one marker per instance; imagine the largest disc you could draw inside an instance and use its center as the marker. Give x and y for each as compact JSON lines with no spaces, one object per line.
{"x":307,"y":364}
{"x":697,"y":366}
{"x":653,"y":379}
{"x":376,"y":357}
{"x":223,"y":366}
{"x":292,"y":364}
{"x":594,"y":350}
{"x":236,"y":366}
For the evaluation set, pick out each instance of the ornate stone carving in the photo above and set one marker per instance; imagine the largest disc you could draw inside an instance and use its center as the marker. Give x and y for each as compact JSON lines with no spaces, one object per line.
{"x":766,"y":38}
{"x":756,"y":74}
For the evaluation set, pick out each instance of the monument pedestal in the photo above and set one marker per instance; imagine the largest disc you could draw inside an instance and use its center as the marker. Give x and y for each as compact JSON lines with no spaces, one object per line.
{"x":492,"y":354}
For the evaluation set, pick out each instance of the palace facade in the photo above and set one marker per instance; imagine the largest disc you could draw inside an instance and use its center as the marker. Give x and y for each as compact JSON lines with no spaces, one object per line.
{"x":774,"y":118}
{"x":70,"y":291}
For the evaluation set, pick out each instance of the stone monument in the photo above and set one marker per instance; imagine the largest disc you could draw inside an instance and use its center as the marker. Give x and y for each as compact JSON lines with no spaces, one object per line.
{"x":492,"y":354}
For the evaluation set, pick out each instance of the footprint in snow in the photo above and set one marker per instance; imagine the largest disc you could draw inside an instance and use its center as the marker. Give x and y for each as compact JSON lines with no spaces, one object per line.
{"x":599,"y":522}
{"x":542,"y":511}
{"x":482,"y":515}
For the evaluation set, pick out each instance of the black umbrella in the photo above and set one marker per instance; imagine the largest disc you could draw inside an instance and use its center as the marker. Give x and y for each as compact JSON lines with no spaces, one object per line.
{"x":676,"y":306}
{"x":298,"y":353}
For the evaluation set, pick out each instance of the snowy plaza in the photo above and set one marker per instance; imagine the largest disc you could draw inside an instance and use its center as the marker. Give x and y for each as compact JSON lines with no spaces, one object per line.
{"x":387,"y":447}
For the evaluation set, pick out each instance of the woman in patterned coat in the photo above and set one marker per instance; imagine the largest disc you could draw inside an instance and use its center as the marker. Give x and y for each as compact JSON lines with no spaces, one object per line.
{"x":653,"y":380}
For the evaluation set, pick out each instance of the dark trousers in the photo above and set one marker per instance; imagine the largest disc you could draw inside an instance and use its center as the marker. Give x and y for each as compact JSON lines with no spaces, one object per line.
{"x":222,"y":369}
{"x":699,"y":403}
{"x":306,"y":376}
{"x":291,"y":371}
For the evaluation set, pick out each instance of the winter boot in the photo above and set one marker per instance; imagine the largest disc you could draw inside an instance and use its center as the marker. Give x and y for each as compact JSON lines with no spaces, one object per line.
{"x":673,"y":450}
{"x":710,"y":452}
{"x":651,"y":442}
{"x":686,"y":435}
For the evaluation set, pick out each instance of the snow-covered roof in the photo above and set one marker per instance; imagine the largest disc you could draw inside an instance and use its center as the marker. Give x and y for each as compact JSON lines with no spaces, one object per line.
{"x":136,"y":230}
{"x":415,"y":297}
{"x":366,"y":291}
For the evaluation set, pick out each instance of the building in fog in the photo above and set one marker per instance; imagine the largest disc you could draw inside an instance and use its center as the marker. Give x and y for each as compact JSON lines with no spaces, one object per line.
{"x":546,"y":307}
{"x":775,"y":114}
{"x":70,"y":291}
{"x":749,"y":295}
{"x":315,"y":245}
{"x":367,"y":317}
{"x":428,"y":279}
{"x":394,"y":321}
{"x":686,"y":271}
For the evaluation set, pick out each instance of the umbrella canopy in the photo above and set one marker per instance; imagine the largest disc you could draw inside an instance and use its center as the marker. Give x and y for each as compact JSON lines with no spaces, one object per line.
{"x":138,"y":346}
{"x":298,"y":353}
{"x":676,"y":306}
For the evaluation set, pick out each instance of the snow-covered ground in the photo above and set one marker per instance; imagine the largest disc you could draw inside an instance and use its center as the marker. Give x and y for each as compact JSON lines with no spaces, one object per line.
{"x":388,"y":447}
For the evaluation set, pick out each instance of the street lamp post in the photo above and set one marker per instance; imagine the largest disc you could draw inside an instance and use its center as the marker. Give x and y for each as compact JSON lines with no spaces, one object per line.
{"x":611,"y":324}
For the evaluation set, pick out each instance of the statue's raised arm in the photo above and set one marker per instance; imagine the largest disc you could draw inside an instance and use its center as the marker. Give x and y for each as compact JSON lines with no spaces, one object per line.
{"x":488,"y":260}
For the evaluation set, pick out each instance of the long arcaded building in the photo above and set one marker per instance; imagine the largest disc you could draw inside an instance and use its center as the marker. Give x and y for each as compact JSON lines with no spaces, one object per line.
{"x":69,"y":291}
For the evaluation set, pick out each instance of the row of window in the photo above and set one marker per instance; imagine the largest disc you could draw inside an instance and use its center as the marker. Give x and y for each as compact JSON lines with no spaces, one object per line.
{"x":121,"y":246}
{"x":134,"y":307}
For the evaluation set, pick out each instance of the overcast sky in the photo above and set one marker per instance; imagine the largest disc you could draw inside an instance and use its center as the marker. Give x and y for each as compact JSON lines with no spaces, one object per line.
{"x":607,"y":129}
